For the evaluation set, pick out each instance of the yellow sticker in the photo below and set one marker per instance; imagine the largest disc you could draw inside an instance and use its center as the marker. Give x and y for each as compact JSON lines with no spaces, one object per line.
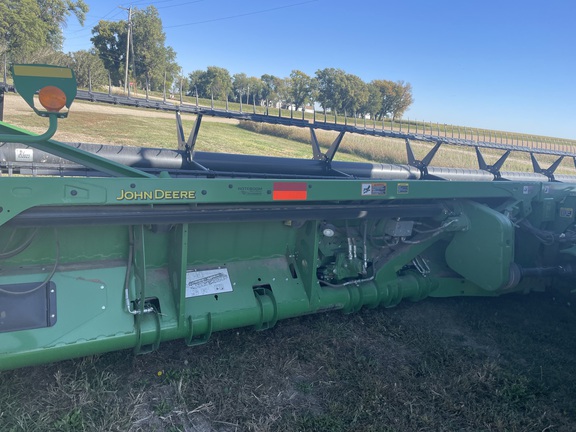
{"x":402,"y":188}
{"x":42,"y":71}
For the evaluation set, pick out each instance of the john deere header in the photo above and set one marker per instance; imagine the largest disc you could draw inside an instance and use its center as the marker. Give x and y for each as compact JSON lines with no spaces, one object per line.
{"x":107,"y":248}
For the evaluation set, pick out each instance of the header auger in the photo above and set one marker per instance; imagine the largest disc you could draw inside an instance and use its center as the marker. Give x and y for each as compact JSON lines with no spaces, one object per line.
{"x":107,"y":248}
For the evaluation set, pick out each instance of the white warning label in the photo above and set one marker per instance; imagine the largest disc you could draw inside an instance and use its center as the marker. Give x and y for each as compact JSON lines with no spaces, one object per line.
{"x":373,"y":189}
{"x":207,"y":282}
{"x":24,"y":155}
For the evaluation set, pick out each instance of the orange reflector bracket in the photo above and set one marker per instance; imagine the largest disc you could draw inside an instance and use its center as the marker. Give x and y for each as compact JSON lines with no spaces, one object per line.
{"x":55,"y":85}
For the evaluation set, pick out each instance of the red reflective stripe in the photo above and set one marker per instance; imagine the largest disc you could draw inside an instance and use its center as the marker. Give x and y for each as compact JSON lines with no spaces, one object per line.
{"x":289,"y":195}
{"x":290,"y":191}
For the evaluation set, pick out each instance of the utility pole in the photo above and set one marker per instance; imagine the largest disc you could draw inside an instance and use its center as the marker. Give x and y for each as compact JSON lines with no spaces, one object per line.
{"x":127,"y":45}
{"x":3,"y":89}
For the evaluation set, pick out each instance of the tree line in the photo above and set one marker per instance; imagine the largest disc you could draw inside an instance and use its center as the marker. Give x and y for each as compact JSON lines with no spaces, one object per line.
{"x":332,"y":89}
{"x":30,"y":31}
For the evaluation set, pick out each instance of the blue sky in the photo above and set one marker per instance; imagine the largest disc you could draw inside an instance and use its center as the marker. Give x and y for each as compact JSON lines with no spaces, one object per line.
{"x":507,"y":65}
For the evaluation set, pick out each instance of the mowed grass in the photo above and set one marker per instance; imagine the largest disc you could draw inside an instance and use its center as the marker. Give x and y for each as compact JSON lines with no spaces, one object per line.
{"x":126,"y":126}
{"x":464,"y":364}
{"x":106,"y":124}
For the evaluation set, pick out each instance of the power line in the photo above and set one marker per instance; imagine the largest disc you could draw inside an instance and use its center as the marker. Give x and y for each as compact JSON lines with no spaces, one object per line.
{"x":181,"y":4}
{"x":152,"y":3}
{"x":97,"y":20}
{"x":118,"y":57}
{"x":88,"y":27}
{"x":241,"y":15}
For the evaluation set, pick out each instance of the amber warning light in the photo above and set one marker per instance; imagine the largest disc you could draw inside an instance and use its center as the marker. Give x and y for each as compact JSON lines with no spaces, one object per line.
{"x":52,"y":98}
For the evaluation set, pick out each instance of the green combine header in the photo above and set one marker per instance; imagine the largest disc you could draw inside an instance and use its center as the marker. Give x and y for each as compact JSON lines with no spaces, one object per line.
{"x":106,"y":247}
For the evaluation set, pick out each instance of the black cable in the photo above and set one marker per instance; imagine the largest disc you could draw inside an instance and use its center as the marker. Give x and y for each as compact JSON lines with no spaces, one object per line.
{"x":19,"y":249}
{"x":48,"y":278}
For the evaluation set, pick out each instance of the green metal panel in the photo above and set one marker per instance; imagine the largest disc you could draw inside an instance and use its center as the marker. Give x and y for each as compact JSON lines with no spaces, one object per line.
{"x":89,"y":314}
{"x":273,"y":261}
{"x":484,"y":253}
{"x":23,"y":193}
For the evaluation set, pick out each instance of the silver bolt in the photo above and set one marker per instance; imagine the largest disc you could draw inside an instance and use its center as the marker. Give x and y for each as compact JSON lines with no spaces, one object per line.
{"x":328,"y":232}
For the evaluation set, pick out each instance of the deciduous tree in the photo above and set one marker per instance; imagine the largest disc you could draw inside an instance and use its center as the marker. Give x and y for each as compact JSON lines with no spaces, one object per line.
{"x":328,"y":83}
{"x":395,"y":97}
{"x":88,"y":67}
{"x":240,"y":85}
{"x":301,"y":88}
{"x":255,"y":90}
{"x":27,"y":26}
{"x":214,"y":82}
{"x":110,"y":39}
{"x":372,"y":105}
{"x":353,"y":93}
{"x":403,"y":99}
{"x":55,"y":13}
{"x":150,"y":61}
{"x":194,"y":83}
{"x":271,"y":88}
{"x":217,"y":82}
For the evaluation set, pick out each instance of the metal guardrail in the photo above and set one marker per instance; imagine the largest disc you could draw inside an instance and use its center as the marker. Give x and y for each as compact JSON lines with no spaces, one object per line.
{"x":322,"y":125}
{"x":187,"y":147}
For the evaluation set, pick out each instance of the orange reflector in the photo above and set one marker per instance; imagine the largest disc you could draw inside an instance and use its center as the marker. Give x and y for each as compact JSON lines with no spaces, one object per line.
{"x":52,"y":98}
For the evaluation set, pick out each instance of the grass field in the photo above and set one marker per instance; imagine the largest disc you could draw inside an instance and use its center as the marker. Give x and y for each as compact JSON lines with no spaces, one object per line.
{"x":107,"y":124}
{"x":405,"y":124}
{"x":463,"y":364}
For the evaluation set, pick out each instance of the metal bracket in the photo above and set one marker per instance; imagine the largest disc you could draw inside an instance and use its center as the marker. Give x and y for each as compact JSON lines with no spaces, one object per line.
{"x":329,"y":155}
{"x":191,"y":339}
{"x":32,"y":139}
{"x":423,"y":164}
{"x":549,"y":172}
{"x":188,"y":146}
{"x":496,"y":167}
